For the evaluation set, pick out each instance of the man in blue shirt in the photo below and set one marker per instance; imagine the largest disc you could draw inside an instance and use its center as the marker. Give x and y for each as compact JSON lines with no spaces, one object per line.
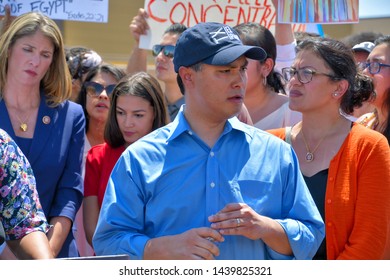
{"x":208,"y":186}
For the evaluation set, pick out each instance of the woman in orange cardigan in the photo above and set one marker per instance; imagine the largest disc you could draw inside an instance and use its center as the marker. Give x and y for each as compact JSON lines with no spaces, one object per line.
{"x":346,"y":166}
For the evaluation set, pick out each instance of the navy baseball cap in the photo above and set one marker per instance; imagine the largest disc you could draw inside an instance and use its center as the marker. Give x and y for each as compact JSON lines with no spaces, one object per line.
{"x":212,"y":43}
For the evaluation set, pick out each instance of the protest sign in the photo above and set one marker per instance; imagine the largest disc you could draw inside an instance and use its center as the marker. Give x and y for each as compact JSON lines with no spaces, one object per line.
{"x":162,"y":13}
{"x":76,"y":10}
{"x":318,"y":11}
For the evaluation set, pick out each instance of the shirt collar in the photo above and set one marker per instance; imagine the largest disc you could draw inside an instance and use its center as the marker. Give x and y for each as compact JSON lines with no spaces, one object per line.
{"x":180,"y":125}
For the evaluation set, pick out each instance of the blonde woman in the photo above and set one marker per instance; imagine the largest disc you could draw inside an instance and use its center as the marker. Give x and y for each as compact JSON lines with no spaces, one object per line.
{"x":35,"y":86}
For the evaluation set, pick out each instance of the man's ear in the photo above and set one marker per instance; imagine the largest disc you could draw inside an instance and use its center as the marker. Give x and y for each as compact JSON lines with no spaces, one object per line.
{"x":185,"y":74}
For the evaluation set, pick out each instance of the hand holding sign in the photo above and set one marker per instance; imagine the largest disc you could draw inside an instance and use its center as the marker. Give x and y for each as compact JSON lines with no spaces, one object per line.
{"x":139,"y":25}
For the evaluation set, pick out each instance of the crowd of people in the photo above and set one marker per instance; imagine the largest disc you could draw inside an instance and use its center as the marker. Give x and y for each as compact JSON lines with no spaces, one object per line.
{"x":251,"y":145}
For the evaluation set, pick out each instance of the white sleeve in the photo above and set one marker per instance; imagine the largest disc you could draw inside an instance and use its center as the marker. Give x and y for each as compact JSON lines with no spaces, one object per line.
{"x":285,"y":55}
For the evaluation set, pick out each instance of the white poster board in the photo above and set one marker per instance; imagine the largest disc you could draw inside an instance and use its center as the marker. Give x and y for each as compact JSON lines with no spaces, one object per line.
{"x":162,"y":13}
{"x":75,"y":10}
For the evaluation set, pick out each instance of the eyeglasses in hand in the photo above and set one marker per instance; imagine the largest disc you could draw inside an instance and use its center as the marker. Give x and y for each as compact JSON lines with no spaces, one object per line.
{"x":374,"y":67}
{"x":168,"y":50}
{"x":95,"y":89}
{"x":305,"y":74}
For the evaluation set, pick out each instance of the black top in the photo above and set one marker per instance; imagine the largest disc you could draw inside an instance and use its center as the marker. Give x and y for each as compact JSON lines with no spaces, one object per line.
{"x":317,"y":188}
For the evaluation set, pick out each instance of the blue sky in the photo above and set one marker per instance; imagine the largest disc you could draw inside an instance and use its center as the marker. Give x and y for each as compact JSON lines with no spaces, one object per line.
{"x":374,"y":8}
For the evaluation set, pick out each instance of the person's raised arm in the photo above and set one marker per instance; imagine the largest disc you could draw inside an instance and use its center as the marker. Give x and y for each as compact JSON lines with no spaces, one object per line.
{"x":285,"y":42}
{"x":138,"y":58}
{"x":6,"y":20}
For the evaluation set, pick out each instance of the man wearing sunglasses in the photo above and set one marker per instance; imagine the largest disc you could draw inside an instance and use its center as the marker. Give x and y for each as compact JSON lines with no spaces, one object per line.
{"x":208,"y":186}
{"x":163,"y":54}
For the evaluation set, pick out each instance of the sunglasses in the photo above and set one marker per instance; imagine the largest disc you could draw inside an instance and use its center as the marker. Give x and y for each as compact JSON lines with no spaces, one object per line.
{"x":95,"y":89}
{"x":168,"y":50}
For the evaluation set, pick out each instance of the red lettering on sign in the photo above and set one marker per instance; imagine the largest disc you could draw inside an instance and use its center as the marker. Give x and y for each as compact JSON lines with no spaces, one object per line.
{"x":151,"y":15}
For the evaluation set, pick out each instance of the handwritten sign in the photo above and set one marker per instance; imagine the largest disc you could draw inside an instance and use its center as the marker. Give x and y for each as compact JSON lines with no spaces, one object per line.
{"x":318,"y":11}
{"x":162,"y":13}
{"x":76,"y":10}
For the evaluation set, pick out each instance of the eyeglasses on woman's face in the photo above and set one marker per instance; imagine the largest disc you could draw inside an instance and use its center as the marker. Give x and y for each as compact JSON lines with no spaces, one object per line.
{"x":374,"y":67}
{"x":168,"y":50}
{"x":95,"y":89}
{"x":305,"y":74}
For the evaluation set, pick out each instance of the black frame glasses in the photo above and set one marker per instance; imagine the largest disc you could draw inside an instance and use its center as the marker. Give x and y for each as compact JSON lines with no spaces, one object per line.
{"x":168,"y":50}
{"x":95,"y":89}
{"x":305,"y":74}
{"x":374,"y":67}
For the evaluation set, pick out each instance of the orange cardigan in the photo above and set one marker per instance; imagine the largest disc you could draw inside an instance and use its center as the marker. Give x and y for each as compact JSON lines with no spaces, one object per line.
{"x":357,"y":199}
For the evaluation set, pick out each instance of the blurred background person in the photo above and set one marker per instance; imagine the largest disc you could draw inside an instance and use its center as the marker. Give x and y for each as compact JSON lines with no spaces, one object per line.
{"x":378,"y":67}
{"x":94,"y":97}
{"x":361,"y":52}
{"x":163,"y":53}
{"x":80,"y":60}
{"x":265,"y":97}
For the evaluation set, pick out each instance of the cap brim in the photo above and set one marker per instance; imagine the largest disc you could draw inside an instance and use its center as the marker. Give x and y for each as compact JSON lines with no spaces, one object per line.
{"x":227,"y":56}
{"x":361,"y":50}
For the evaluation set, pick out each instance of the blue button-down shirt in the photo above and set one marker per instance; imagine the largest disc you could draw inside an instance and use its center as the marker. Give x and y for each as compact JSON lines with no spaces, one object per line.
{"x":170,"y":181}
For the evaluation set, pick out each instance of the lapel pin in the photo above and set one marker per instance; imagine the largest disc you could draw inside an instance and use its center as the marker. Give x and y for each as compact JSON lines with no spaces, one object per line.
{"x":46,"y":119}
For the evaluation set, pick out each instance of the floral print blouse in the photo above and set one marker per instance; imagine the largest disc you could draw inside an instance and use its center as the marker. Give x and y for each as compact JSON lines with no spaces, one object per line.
{"x":20,"y":210}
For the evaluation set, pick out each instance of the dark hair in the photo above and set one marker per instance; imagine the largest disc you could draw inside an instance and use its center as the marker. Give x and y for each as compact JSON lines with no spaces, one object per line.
{"x":340,"y":59}
{"x":140,"y":84}
{"x":196,"y":67}
{"x":365,"y":36}
{"x":80,"y":60}
{"x":302,"y":35}
{"x":175,"y":28}
{"x":115,"y":71}
{"x":386,"y":103}
{"x":254,"y":34}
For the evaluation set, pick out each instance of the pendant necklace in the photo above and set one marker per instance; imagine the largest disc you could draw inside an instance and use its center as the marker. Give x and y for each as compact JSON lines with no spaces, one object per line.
{"x":23,"y":124}
{"x":310,"y":154}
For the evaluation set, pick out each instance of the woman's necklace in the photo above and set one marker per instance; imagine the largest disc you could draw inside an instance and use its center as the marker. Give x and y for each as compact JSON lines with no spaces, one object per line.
{"x":310,"y":154}
{"x":23,"y":124}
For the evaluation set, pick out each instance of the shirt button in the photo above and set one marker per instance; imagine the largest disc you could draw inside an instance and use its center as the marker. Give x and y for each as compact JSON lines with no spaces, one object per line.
{"x":329,"y":201}
{"x":331,"y":179}
{"x":189,"y":132}
{"x":212,"y":185}
{"x":212,"y":154}
{"x":329,"y":224}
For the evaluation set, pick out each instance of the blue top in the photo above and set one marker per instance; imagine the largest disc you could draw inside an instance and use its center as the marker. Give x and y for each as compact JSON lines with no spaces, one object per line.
{"x":170,"y":181}
{"x":55,"y":156}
